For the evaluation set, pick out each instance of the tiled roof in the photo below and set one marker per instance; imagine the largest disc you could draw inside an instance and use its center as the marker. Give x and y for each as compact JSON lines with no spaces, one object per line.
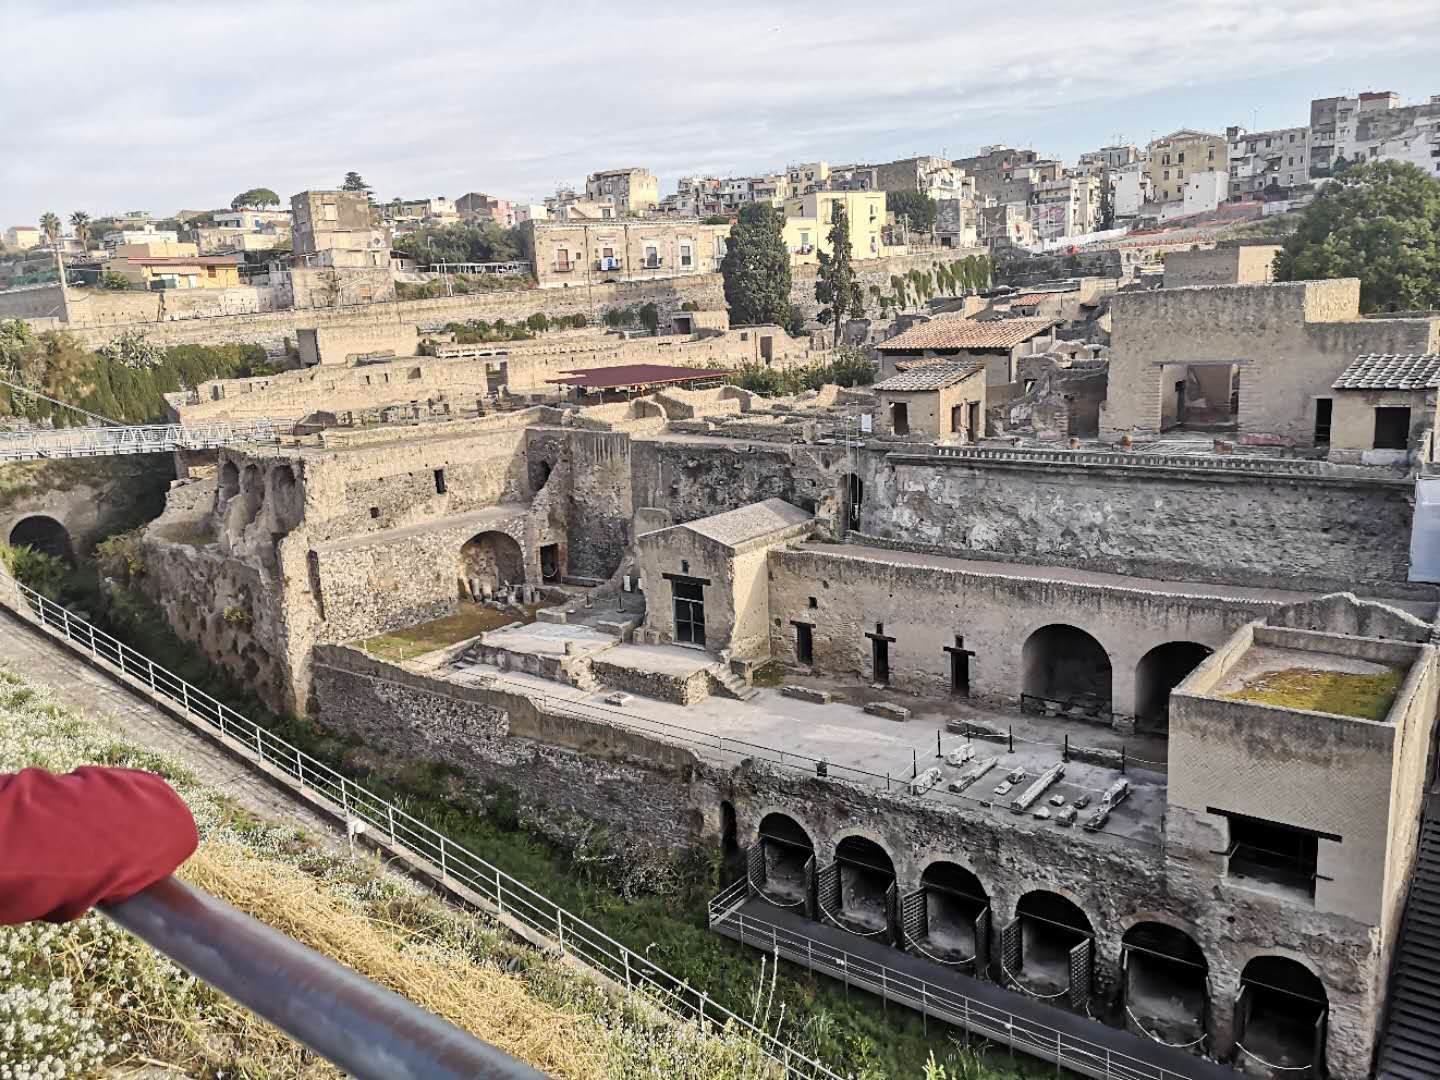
{"x":1387,"y":371}
{"x":933,"y":376}
{"x":1032,"y":298}
{"x":958,"y":333}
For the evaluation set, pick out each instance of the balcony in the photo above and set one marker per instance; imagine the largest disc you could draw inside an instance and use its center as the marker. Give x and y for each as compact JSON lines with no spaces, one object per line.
{"x":563,"y":268}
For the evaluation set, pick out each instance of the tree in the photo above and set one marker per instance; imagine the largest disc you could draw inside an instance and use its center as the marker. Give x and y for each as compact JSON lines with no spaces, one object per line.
{"x":1379,"y":222}
{"x":836,"y":286}
{"x":260,"y":197}
{"x":650,"y":317}
{"x":913,"y":210}
{"x":50,"y":226}
{"x":355,"y":182}
{"x":756,"y":268}
{"x":80,"y":222}
{"x":484,"y":242}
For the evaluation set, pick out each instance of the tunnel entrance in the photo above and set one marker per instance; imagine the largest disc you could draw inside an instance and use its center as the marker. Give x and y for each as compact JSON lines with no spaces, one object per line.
{"x":947,"y":919}
{"x":857,"y":891}
{"x":44,"y":535}
{"x":1066,"y":673}
{"x":491,"y":562}
{"x":1161,"y":670}
{"x":781,"y":865}
{"x":1047,"y":950}
{"x":1166,"y":994}
{"x":1281,"y":1015}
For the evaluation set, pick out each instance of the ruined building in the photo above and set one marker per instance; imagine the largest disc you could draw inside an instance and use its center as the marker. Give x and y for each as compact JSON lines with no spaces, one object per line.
{"x":1135,"y":733}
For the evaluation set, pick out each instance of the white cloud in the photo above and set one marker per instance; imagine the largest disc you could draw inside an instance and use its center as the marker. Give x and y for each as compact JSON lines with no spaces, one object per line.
{"x":164,"y":105}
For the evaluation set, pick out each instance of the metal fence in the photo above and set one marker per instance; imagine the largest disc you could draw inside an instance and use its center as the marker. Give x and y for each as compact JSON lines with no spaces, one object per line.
{"x":80,"y":442}
{"x":942,"y":1002}
{"x":369,"y":815}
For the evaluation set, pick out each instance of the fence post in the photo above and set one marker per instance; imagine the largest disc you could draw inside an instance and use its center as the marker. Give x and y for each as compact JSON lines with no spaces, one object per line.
{"x":150,"y":666}
{"x":185,"y":701}
{"x":390,"y":817}
{"x":626,"y":955}
{"x":560,"y":928}
{"x":65,"y":613}
{"x":442,"y":866}
{"x":299,"y":768}
{"x":499,"y":897}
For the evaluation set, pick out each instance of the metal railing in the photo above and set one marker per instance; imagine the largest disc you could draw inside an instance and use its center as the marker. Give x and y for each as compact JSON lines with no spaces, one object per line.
{"x":369,"y":1032}
{"x":978,"y":1017}
{"x":1131,"y":458}
{"x":428,"y":850}
{"x":79,"y":442}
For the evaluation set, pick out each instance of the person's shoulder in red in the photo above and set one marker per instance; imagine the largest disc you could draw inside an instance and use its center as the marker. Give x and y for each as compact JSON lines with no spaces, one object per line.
{"x":69,"y":842}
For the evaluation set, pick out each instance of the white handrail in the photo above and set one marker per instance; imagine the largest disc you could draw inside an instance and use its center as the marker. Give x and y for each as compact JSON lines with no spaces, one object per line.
{"x":417,"y":842}
{"x":96,"y":441}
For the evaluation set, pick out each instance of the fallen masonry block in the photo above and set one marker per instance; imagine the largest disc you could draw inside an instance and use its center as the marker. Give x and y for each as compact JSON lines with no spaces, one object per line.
{"x":889,"y":712}
{"x":619,"y":697}
{"x":1114,"y":795}
{"x":1003,"y":788}
{"x":1031,"y":795}
{"x":806,"y":693}
{"x":1057,"y":800}
{"x":1067,"y":816}
{"x":970,"y":775}
{"x":1097,"y":755}
{"x":961,"y":755}
{"x":925,"y":781}
{"x":1043,"y":813}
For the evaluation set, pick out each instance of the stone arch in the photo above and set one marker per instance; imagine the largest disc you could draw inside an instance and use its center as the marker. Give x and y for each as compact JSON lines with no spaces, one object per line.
{"x":956,"y":923}
{"x":863,"y":895}
{"x":1050,"y":927}
{"x":1281,"y":1013}
{"x":229,"y":483}
{"x":44,"y":534}
{"x":492,"y":561}
{"x":1066,"y":670}
{"x":1165,"y":983}
{"x":787,"y":861}
{"x":1161,"y":670}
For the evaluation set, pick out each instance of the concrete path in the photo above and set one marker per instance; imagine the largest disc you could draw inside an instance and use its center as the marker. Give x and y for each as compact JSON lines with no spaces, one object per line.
{"x":30,"y":653}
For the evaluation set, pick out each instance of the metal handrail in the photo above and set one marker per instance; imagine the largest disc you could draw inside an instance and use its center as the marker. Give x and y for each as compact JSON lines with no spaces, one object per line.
{"x":951,"y":1005}
{"x":369,"y":1032}
{"x":99,"y":441}
{"x":417,"y":843}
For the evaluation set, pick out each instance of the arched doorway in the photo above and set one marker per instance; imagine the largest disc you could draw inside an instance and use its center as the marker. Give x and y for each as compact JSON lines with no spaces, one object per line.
{"x":948,"y":919}
{"x":1165,"y":984}
{"x":783,"y":862}
{"x":491,"y":562}
{"x":1161,"y":670}
{"x":857,"y":891}
{"x":1281,"y":1014}
{"x":1047,"y":950}
{"x":44,"y":535}
{"x":1066,"y":673}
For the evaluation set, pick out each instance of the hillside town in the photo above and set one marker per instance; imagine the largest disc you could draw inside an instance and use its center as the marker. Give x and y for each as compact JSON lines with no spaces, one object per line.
{"x":949,"y":617}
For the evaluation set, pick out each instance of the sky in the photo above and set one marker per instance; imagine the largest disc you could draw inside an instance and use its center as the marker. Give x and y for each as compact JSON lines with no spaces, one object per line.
{"x":163,"y":106}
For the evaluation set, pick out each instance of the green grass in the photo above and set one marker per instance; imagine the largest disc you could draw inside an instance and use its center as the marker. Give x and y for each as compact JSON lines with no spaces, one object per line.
{"x":468,"y":621}
{"x":852,"y":1031}
{"x":1342,"y":693}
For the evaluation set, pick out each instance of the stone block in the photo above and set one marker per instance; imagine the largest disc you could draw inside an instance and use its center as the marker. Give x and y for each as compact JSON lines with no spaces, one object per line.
{"x":806,"y":693}
{"x":897,"y":713}
{"x":552,"y":615}
{"x":618,"y":697}
{"x":925,"y":781}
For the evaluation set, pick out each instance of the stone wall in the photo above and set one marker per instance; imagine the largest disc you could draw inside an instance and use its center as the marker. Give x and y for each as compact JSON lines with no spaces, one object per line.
{"x":32,"y":302}
{"x":560,"y":766}
{"x":345,"y":344}
{"x":1226,"y":265}
{"x":1308,"y":532}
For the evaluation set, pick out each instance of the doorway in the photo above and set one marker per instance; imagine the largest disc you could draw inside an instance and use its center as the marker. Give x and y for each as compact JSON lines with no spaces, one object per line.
{"x":973,"y":427}
{"x":689,"y":612}
{"x":550,"y":562}
{"x":1323,"y":412}
{"x":804,"y":643}
{"x":880,"y":659}
{"x":900,"y":418}
{"x":1392,"y":427}
{"x":959,"y":667}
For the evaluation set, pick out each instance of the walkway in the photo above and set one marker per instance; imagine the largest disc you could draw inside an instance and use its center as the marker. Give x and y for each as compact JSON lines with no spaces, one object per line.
{"x":82,"y":442}
{"x":981,"y":1008}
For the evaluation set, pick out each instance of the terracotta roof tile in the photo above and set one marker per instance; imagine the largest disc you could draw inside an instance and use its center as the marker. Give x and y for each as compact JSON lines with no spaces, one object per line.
{"x":932,"y":376}
{"x":1388,"y":371}
{"x":958,"y":333}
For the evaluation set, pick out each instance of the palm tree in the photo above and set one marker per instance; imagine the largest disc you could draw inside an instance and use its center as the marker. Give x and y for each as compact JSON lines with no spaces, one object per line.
{"x":50,"y":226}
{"x":80,"y":221}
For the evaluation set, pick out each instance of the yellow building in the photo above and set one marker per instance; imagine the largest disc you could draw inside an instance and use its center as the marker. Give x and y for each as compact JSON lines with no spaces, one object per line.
{"x":176,"y":271}
{"x":1179,"y":154}
{"x":808,"y":220}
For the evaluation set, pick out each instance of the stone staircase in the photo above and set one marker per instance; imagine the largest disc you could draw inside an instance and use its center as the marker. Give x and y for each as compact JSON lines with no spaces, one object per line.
{"x":1410,"y":1042}
{"x":728,"y":684}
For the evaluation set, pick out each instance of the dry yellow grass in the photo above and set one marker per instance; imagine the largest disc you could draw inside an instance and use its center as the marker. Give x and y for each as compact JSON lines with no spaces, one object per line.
{"x":488,"y":1003}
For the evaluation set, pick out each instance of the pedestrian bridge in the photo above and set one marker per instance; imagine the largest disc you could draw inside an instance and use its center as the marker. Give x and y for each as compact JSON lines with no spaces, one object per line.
{"x":107,"y":441}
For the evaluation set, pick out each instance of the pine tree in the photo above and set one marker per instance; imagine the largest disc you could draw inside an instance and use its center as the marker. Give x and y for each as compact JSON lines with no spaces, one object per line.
{"x":756,"y":268}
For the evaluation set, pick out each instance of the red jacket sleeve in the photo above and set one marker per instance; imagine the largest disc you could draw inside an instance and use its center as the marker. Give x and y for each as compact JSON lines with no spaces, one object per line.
{"x":70,"y":842}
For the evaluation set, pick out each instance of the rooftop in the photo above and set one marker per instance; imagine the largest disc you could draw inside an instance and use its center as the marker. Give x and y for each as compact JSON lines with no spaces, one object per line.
{"x":628,"y":375}
{"x":736,"y":527}
{"x":936,"y":376}
{"x":960,"y":333}
{"x":1388,"y":371}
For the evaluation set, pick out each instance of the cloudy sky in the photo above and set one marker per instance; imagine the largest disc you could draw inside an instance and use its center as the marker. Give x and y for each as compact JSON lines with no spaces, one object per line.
{"x":168,"y":105}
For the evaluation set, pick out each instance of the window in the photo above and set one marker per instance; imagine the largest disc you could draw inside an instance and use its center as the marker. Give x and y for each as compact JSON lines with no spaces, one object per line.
{"x":374,"y":511}
{"x":652,"y":256}
{"x":1272,"y":853}
{"x":1181,"y":158}
{"x":1392,"y":427}
{"x":1167,"y":175}
{"x":328,"y":211}
{"x":685,"y":255}
{"x":439,"y":481}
